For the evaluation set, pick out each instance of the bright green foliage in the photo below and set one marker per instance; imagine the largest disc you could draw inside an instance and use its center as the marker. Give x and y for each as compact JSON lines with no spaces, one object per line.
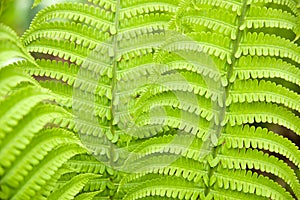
{"x":147,"y":99}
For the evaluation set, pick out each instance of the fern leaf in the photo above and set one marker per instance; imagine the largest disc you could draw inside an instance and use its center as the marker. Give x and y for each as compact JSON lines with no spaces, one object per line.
{"x":214,"y":19}
{"x":51,"y":184}
{"x":87,"y":196}
{"x":245,"y":181}
{"x":211,"y":43}
{"x":87,"y":14}
{"x":19,"y":104}
{"x":43,"y":142}
{"x":86,"y":164}
{"x":139,"y":46}
{"x":66,"y":50}
{"x":220,"y":194}
{"x":184,"y":145}
{"x":11,"y":46}
{"x":167,"y":186}
{"x":268,"y":45}
{"x":12,"y":77}
{"x":189,"y":169}
{"x":132,"y":27}
{"x":106,"y":4}
{"x":78,"y":33}
{"x":291,"y":4}
{"x":268,"y":17}
{"x":263,"y":91}
{"x":61,"y":90}
{"x":54,"y":69}
{"x":231,"y":5}
{"x":246,"y":137}
{"x":13,"y":144}
{"x":253,"y":159}
{"x":262,"y":112}
{"x":72,"y":187}
{"x":44,"y":170}
{"x":255,"y":67}
{"x":194,"y":104}
{"x":182,"y":120}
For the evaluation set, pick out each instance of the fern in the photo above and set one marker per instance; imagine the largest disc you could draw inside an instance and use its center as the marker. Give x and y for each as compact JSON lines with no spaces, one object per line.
{"x":110,"y":99}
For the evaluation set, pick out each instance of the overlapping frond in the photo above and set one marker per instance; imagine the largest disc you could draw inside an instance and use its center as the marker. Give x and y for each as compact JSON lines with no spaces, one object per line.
{"x":164,"y":90}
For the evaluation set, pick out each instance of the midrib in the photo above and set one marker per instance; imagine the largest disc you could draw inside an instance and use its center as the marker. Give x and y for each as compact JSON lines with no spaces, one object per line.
{"x":235,"y":45}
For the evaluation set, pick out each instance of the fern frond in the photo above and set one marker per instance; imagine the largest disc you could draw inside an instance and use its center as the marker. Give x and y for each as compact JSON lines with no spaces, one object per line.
{"x":108,"y":5}
{"x":211,"y":43}
{"x":42,"y":172}
{"x":19,"y":104}
{"x":71,"y":187}
{"x":12,"y":77}
{"x":11,"y":46}
{"x":174,"y":187}
{"x":231,"y":5}
{"x":255,"y":67}
{"x":78,"y":33}
{"x":24,"y":131}
{"x":268,"y":45}
{"x":139,"y":46}
{"x":51,"y":184}
{"x":291,"y":4}
{"x":175,"y":118}
{"x":180,"y":100}
{"x":61,"y":90}
{"x":253,"y":159}
{"x":268,"y":17}
{"x":87,"y":14}
{"x":68,"y":51}
{"x":221,"y":194}
{"x":87,"y":196}
{"x":262,"y":112}
{"x":97,"y":184}
{"x":129,"y":3}
{"x":171,"y":165}
{"x":43,"y":142}
{"x":140,"y":8}
{"x":184,"y":145}
{"x":248,"y":182}
{"x":246,"y":137}
{"x":263,"y":91}
{"x":54,"y":69}
{"x":86,"y":164}
{"x":150,"y":23}
{"x":214,"y":19}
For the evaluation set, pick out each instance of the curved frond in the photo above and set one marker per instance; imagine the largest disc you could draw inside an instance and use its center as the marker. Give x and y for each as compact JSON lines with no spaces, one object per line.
{"x":248,"y":182}
{"x":260,"y":17}
{"x":268,"y":45}
{"x":42,"y":172}
{"x":246,"y":137}
{"x":11,"y":47}
{"x":263,"y":91}
{"x":174,"y":187}
{"x":78,"y":33}
{"x":12,"y":77}
{"x":214,"y":19}
{"x":72,"y":187}
{"x":262,"y":112}
{"x":231,"y":5}
{"x":291,"y":4}
{"x":19,"y":104}
{"x":87,"y":14}
{"x":265,"y":67}
{"x":42,"y":143}
{"x":253,"y":159}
